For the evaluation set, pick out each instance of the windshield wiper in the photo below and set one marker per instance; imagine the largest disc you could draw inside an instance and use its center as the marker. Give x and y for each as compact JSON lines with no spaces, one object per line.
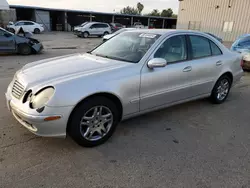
{"x":115,"y":58}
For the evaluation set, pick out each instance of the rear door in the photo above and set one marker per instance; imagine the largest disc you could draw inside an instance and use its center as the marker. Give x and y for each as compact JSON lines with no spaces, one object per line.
{"x":29,"y":26}
{"x":93,"y":29}
{"x":206,"y":65}
{"x":7,"y":42}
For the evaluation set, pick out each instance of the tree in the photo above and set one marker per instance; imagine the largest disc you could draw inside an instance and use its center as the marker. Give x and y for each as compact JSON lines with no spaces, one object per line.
{"x":167,"y":13}
{"x":174,"y":16}
{"x":155,"y":12}
{"x":140,"y":7}
{"x":129,"y":10}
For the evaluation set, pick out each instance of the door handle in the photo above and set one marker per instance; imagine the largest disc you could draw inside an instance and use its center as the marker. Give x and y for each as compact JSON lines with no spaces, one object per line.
{"x":218,"y":63}
{"x":187,"y":69}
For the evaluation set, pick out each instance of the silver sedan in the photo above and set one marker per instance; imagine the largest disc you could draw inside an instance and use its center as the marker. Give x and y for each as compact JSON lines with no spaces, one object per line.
{"x":139,"y":71}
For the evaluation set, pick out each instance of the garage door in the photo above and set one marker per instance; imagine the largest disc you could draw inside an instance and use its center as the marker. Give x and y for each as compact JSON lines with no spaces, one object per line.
{"x":43,"y":17}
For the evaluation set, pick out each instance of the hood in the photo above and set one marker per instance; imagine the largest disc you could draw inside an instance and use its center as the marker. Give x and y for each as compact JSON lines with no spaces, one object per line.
{"x":66,"y":67}
{"x":108,"y":36}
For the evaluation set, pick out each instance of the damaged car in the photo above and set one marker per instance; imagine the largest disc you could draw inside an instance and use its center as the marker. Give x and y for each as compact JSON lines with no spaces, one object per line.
{"x":18,"y":43}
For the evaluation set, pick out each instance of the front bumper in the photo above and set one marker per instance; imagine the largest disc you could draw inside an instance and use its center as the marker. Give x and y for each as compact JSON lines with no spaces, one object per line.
{"x":78,"y":33}
{"x":37,"y":47}
{"x":35,"y":121}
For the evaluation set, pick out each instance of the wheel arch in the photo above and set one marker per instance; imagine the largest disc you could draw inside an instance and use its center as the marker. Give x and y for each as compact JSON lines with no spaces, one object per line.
{"x":114,"y":98}
{"x":229,"y":74}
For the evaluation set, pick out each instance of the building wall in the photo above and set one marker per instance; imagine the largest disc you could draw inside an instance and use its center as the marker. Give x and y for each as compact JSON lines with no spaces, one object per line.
{"x":6,"y":16}
{"x":43,"y":17}
{"x":211,"y":15}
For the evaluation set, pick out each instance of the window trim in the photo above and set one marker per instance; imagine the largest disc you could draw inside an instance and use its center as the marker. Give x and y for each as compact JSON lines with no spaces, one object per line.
{"x":210,"y":42}
{"x":187,"y":49}
{"x":211,"y":55}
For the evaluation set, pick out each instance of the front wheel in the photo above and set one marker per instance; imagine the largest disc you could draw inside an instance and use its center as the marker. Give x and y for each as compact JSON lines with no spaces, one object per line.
{"x":93,"y":121}
{"x":24,"y":49}
{"x":221,"y":90}
{"x":85,"y":34}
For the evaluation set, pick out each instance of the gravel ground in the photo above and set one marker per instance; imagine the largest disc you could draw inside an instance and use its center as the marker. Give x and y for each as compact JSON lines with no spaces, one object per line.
{"x":196,"y":144}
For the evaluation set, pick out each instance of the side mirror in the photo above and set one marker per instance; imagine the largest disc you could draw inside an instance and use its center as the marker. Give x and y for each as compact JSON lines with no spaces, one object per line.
{"x":11,"y":23}
{"x":157,"y":62}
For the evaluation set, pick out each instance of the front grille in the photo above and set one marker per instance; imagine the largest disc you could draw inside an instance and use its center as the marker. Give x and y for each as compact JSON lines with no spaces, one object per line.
{"x":17,"y":89}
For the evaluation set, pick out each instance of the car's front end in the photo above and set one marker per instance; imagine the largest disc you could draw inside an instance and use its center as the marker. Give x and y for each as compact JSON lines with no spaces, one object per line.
{"x":34,"y":44}
{"x":28,"y":104}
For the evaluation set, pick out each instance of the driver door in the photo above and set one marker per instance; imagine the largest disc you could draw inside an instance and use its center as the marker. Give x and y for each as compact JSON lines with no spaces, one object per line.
{"x":169,"y":84}
{"x":7,"y":42}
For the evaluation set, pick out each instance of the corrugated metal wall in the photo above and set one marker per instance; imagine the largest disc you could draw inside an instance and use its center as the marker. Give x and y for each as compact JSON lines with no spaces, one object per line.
{"x":43,"y":17}
{"x":213,"y":13}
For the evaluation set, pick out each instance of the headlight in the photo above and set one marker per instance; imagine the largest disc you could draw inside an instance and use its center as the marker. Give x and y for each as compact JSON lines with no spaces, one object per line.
{"x":41,"y":97}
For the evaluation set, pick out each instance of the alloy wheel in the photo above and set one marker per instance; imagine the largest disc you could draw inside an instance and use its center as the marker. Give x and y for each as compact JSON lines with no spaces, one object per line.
{"x":223,"y":89}
{"x":96,"y":123}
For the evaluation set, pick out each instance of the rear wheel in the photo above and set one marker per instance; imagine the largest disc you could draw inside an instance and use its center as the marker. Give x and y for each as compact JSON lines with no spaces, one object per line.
{"x":37,"y":31}
{"x":221,"y":90}
{"x":24,"y":49}
{"x":105,"y":33}
{"x":93,"y":121}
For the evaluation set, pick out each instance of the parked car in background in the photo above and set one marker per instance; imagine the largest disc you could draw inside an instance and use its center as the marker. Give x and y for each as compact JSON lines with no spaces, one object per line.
{"x":138,"y":25}
{"x":107,"y":37}
{"x":242,"y":45}
{"x":218,"y":38}
{"x":12,"y":43}
{"x":28,"y":26}
{"x":92,"y":29}
{"x":116,"y":26}
{"x":135,"y":72}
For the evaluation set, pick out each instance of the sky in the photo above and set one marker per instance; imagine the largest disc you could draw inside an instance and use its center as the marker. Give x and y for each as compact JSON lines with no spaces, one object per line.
{"x":99,"y":5}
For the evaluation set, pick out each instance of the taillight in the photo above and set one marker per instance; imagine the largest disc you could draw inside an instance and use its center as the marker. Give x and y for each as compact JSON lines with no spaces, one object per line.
{"x":241,"y":62}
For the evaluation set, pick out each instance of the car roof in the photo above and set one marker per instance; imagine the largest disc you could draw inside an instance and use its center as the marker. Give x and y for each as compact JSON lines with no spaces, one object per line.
{"x":165,"y":31}
{"x":97,"y":23}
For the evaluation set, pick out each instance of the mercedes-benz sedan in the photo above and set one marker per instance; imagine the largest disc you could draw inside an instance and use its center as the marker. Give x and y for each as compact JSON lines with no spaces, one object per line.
{"x":87,"y":95}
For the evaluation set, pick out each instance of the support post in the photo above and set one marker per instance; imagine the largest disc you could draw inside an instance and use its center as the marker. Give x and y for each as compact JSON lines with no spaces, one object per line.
{"x":90,"y":17}
{"x":163,"y":23}
{"x":113,"y":19}
{"x":132,"y":21}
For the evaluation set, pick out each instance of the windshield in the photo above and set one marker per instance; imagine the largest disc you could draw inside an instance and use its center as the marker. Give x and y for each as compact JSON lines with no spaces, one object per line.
{"x":84,"y":23}
{"x":127,"y":46}
{"x":3,"y":32}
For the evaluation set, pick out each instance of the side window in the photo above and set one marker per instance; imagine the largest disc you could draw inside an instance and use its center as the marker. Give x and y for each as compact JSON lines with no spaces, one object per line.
{"x":19,"y":23}
{"x":215,"y":49}
{"x":94,"y":26}
{"x":28,"y":23}
{"x":173,"y":49}
{"x":200,"y":46}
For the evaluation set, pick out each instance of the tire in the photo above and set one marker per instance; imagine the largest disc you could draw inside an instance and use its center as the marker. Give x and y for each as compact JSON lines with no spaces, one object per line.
{"x":105,"y":33}
{"x":91,"y":124}
{"x":221,"y":89}
{"x":24,"y":49}
{"x":85,"y":34}
{"x":37,"y":31}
